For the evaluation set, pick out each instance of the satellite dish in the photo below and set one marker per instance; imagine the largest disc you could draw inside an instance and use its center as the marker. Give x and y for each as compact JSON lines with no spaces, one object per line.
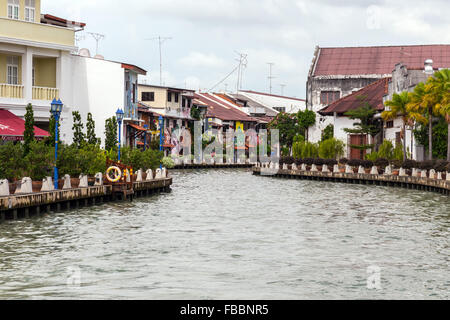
{"x":85,"y":53}
{"x":99,"y":56}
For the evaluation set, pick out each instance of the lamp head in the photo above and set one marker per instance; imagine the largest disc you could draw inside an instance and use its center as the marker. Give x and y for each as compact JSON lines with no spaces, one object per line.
{"x":119,"y":115}
{"x":56,"y":107}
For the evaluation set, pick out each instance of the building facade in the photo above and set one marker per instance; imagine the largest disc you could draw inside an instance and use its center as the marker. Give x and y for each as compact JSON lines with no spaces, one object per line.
{"x":35,"y":58}
{"x":339,"y":72}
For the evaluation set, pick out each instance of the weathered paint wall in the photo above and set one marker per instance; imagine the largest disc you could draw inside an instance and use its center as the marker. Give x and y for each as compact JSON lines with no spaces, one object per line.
{"x":345,"y":85}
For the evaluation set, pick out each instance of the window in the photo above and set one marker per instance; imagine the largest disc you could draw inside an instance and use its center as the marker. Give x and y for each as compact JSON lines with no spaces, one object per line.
{"x":30,"y":10}
{"x":176,"y":97}
{"x":148,"y":96}
{"x":13,"y":9}
{"x":390,"y":124}
{"x":33,"y":79}
{"x":134,"y":93}
{"x":12,"y":66}
{"x":169,"y":96}
{"x":328,"y":97}
{"x":280,"y":109}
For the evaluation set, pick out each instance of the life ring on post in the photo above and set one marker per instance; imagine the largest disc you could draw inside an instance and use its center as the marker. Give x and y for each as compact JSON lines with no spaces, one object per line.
{"x":117,"y":174}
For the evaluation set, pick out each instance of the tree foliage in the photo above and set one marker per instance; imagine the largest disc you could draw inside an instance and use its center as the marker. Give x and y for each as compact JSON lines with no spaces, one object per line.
{"x":28,"y":134}
{"x":111,"y":141}
{"x":328,"y":132}
{"x":90,"y":131}
{"x":367,"y":124}
{"x":79,"y":138}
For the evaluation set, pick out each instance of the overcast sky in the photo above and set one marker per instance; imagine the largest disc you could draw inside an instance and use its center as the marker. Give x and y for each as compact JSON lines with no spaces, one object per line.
{"x":206,"y":34}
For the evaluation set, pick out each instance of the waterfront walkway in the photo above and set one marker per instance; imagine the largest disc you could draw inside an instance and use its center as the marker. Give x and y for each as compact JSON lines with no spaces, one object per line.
{"x":418,"y":183}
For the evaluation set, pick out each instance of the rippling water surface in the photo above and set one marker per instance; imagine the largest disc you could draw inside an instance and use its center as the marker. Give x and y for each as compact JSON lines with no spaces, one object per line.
{"x":230,"y":235}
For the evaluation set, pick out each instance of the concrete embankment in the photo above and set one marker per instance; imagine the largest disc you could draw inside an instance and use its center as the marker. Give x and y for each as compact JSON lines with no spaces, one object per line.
{"x":417,"y":183}
{"x":34,"y":204}
{"x":212,"y":166}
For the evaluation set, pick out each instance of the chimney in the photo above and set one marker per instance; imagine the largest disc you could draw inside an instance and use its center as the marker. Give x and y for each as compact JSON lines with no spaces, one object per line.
{"x":429,"y":67}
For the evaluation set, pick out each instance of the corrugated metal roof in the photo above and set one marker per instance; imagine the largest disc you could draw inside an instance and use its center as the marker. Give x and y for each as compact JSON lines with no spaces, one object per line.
{"x":221,"y":111}
{"x":378,"y":60}
{"x":373,"y":93}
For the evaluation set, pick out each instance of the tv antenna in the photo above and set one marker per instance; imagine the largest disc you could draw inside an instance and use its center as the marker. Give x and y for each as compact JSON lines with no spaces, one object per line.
{"x":161,"y":40}
{"x":97,"y":37}
{"x":242,"y":65}
{"x":270,"y":77}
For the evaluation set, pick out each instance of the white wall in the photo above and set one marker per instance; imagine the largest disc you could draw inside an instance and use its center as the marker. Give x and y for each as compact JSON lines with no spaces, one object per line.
{"x":340,"y":123}
{"x":97,"y":87}
{"x":390,"y":134}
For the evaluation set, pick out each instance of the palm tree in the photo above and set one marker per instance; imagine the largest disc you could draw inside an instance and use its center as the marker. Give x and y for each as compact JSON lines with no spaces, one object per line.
{"x":398,"y":107}
{"x":440,"y":87}
{"x":422,"y":108}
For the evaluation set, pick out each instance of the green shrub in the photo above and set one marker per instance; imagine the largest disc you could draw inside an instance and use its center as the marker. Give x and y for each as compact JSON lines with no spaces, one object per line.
{"x":167,"y":162}
{"x":39,"y":162}
{"x":398,"y":153}
{"x":310,"y":150}
{"x":331,"y":149}
{"x":11,"y":161}
{"x":372,"y":156}
{"x":386,"y":150}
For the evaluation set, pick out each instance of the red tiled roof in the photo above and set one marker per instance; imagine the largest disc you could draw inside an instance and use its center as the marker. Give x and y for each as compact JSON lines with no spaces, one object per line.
{"x":218,"y":109}
{"x":373,"y":94}
{"x":12,"y":127}
{"x":379,"y":60}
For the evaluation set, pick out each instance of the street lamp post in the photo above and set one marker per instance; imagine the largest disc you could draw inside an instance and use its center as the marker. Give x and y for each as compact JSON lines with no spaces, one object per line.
{"x":119,"y":115}
{"x":161,"y":135}
{"x":56,"y":109}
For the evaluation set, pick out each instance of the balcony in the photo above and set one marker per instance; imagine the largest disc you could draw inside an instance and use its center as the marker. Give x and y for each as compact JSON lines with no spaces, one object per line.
{"x":11,"y":91}
{"x":36,"y":32}
{"x":43,"y":93}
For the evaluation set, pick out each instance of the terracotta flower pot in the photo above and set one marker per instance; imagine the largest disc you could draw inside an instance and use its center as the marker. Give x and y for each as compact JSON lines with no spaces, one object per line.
{"x":37,"y":186}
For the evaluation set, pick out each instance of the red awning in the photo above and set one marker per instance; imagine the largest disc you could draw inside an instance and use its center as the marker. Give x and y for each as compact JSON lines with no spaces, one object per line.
{"x":12,"y":127}
{"x":135,"y":126}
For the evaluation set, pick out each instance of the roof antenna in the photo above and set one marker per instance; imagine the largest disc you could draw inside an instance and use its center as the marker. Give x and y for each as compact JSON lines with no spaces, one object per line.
{"x":161,"y":40}
{"x":97,"y":37}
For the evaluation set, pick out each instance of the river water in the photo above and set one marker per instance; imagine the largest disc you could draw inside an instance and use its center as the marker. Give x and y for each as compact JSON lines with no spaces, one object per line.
{"x":230,"y":235}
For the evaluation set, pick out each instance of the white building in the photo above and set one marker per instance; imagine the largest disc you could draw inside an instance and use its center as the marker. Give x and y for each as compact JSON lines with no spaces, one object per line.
{"x":275,"y":102}
{"x":38,"y":63}
{"x":35,"y":59}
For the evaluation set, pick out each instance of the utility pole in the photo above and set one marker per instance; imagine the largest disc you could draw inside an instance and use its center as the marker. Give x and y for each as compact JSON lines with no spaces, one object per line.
{"x":282,"y":89}
{"x":161,"y":40}
{"x":270,"y":77}
{"x":97,"y":37}
{"x":242,"y":65}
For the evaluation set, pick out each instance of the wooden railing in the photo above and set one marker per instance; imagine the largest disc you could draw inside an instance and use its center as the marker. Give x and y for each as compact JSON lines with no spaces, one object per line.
{"x":43,"y":93}
{"x":11,"y":91}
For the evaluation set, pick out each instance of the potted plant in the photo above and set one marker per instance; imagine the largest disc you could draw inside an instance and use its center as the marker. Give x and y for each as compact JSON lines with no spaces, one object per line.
{"x":367,"y":164}
{"x":355,"y":163}
{"x":342,"y":163}
{"x":409,"y":165}
{"x":381,"y":164}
